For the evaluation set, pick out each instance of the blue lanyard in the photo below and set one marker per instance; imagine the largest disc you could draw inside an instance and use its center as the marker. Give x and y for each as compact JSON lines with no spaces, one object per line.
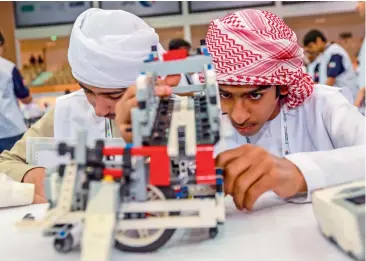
{"x":284,"y":135}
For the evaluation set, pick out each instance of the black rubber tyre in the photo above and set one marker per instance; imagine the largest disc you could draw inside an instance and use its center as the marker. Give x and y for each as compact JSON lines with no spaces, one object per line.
{"x":213,"y":231}
{"x":64,"y":245}
{"x":28,"y":216}
{"x":162,"y":240}
{"x":62,"y":148}
{"x":333,"y":240}
{"x":351,"y":255}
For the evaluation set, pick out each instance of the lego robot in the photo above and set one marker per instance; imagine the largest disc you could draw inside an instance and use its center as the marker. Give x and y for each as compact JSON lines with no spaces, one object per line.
{"x":166,"y":179}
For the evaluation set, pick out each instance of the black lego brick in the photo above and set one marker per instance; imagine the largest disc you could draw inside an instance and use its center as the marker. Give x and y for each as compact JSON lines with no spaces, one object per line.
{"x":159,"y":135}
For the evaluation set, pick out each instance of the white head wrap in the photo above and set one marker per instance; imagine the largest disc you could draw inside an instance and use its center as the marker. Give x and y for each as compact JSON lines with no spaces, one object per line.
{"x":107,"y":47}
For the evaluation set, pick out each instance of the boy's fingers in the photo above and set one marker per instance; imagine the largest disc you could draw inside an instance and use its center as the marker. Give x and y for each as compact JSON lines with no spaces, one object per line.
{"x":163,"y":90}
{"x":172,"y":80}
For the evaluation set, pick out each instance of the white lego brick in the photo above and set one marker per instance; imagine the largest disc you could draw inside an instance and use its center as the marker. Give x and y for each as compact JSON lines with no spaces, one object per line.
{"x":201,"y":190}
{"x":143,"y":83}
{"x":173,"y":149}
{"x":203,"y":213}
{"x":100,"y":221}
{"x":169,"y":205}
{"x":55,"y":186}
{"x":29,"y":224}
{"x":220,"y":207}
{"x":204,"y":220}
{"x":210,"y":78}
{"x":71,"y":217}
{"x":64,"y":204}
{"x":182,"y":116}
{"x":43,"y":151}
{"x":67,"y":187}
{"x":190,"y":132}
{"x":97,"y":239}
{"x":53,"y":216}
{"x":188,"y":88}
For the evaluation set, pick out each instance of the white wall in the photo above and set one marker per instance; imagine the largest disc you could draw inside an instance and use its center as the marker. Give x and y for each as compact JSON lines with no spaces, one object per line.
{"x":186,"y":20}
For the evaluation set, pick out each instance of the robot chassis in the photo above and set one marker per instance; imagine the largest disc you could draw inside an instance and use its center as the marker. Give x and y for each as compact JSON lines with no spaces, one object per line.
{"x":166,"y":180}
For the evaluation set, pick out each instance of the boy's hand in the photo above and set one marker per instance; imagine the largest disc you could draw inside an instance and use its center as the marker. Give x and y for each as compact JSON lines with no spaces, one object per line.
{"x":128,"y":101}
{"x":36,"y":176}
{"x":249,"y":171}
{"x":360,"y":98}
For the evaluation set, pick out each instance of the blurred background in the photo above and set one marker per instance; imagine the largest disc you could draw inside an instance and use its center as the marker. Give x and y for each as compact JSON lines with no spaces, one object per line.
{"x":37,"y":33}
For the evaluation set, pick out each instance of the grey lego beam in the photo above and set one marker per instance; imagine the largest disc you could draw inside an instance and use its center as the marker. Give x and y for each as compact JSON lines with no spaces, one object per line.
{"x":191,"y":65}
{"x":188,"y":88}
{"x":190,"y":104}
{"x":80,"y":151}
{"x":147,"y":129}
{"x":136,"y":131}
{"x":138,"y":191}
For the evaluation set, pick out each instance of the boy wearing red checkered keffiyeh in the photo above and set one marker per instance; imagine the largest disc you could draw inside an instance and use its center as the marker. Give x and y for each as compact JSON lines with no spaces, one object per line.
{"x":289,"y":136}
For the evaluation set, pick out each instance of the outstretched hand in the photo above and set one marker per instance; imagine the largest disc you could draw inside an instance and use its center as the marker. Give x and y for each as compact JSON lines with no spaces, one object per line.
{"x":249,"y":171}
{"x":129,"y":101}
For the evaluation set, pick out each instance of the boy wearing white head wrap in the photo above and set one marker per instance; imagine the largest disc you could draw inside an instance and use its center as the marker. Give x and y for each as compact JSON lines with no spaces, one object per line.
{"x":106,"y":49}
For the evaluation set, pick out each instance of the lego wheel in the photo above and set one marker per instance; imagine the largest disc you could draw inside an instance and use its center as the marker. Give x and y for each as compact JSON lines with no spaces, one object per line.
{"x":213,"y":231}
{"x":147,"y":240}
{"x":63,"y":245}
{"x":62,"y":148}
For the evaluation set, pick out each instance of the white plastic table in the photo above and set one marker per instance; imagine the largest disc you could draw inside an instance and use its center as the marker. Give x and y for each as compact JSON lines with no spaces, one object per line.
{"x":274,"y":231}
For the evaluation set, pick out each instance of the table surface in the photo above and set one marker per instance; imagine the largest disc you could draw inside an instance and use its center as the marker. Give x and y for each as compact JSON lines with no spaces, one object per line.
{"x":275,"y":230}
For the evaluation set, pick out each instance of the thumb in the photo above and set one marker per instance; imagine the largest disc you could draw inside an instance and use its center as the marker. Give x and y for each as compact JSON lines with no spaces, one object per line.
{"x":39,"y":199}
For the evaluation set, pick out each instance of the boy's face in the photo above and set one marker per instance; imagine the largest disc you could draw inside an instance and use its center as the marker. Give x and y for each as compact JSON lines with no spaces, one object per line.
{"x":314,"y":48}
{"x":310,"y":57}
{"x":103,"y":99}
{"x":250,"y":107}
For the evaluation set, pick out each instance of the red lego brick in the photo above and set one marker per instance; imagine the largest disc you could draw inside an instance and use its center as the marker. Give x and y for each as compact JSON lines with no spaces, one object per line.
{"x":175,"y":55}
{"x":115,"y":173}
{"x":113,"y":151}
{"x":205,"y":165}
{"x":159,"y":162}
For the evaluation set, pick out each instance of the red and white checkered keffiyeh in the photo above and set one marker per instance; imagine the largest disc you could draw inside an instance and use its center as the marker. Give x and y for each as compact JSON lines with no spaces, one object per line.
{"x":255,"y":47}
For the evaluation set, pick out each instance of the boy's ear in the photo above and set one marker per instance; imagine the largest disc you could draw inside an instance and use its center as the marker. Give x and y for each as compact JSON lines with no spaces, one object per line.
{"x":283,"y":90}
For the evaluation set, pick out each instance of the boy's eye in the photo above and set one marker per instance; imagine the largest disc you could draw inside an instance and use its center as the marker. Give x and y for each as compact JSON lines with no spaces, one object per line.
{"x":255,"y":96}
{"x":225,"y":95}
{"x":115,"y":97}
